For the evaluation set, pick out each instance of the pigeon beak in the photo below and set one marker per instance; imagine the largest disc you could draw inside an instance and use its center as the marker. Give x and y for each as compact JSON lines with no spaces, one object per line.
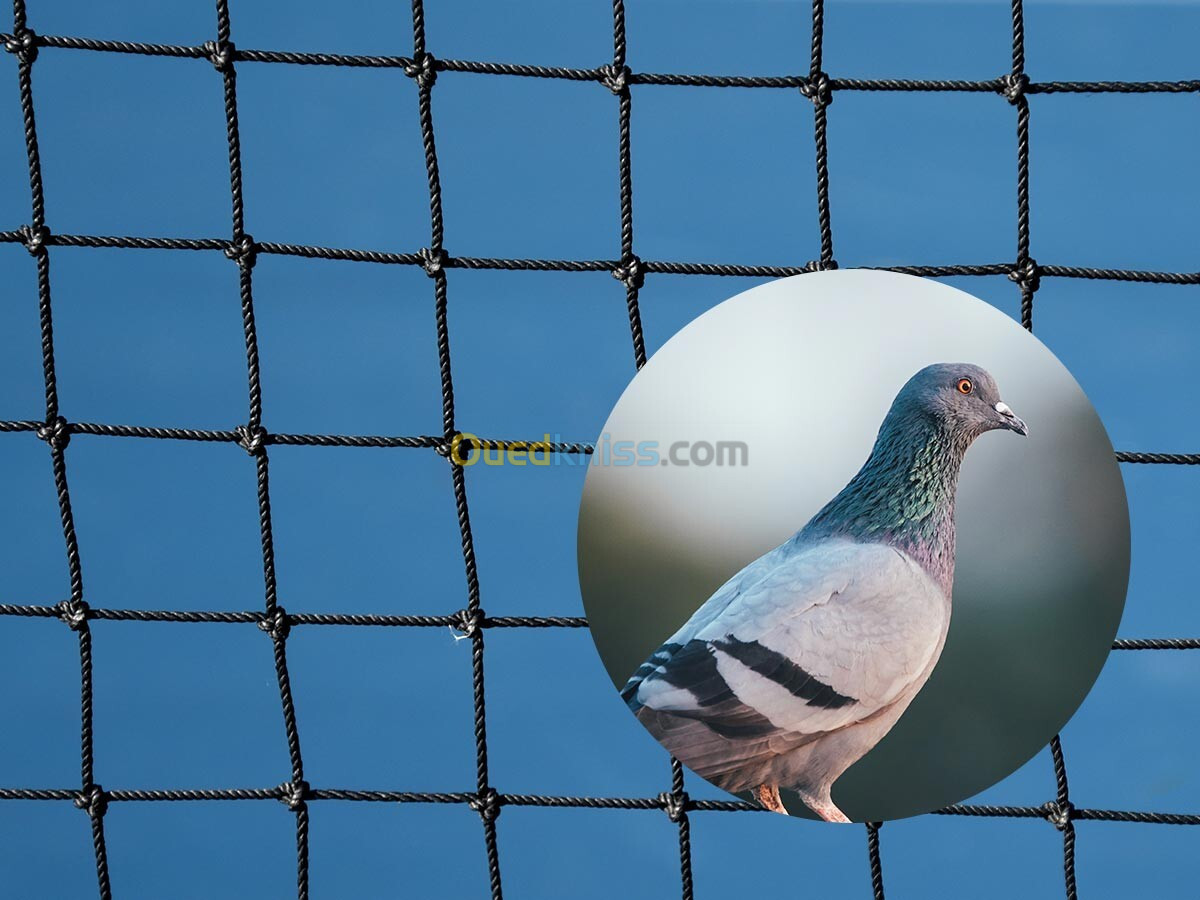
{"x":1011,"y":420}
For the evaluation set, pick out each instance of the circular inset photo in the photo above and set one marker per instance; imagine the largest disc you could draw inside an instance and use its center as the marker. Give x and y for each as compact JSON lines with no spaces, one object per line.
{"x":853,"y":545}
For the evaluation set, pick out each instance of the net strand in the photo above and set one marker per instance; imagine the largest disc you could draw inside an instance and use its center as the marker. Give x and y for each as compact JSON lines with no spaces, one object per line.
{"x":874,"y":860}
{"x":275,"y":622}
{"x":1061,"y":815}
{"x":471,"y":621}
{"x":614,"y":267}
{"x":473,"y":442}
{"x":660,"y":803}
{"x":1027,"y":277}
{"x":818,"y":90}
{"x":460,"y":621}
{"x":600,"y":73}
{"x":485,"y":802}
{"x":629,"y":272}
{"x":91,"y":796}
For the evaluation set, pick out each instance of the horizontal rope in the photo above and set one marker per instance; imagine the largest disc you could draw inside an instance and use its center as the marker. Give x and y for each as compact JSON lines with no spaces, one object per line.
{"x":562,"y":802}
{"x":1156,"y":644}
{"x":299,"y":440}
{"x":1144,"y":277}
{"x":590,"y":265}
{"x":1168,"y":459}
{"x":600,"y":73}
{"x":234,"y":617}
{"x":415,"y":441}
{"x":389,"y":620}
{"x":1095,"y":815}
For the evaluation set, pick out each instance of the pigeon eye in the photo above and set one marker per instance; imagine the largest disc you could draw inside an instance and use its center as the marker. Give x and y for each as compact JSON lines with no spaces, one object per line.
{"x":965,"y":386}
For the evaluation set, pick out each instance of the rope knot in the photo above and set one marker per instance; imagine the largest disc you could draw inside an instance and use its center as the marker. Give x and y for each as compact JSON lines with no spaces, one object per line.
{"x":460,"y":447}
{"x":276,"y":624}
{"x":74,"y":613}
{"x":818,"y":265}
{"x":243,"y":251}
{"x":423,"y":68}
{"x":56,"y":432}
{"x":220,"y":54}
{"x":23,"y":44}
{"x":251,"y":438}
{"x":1026,"y":274}
{"x":468,"y":621}
{"x":432,"y":261}
{"x":616,"y":78}
{"x":1059,"y":814}
{"x":92,"y":800}
{"x":293,"y":794}
{"x":819,"y":89}
{"x":675,"y":805}
{"x":487,"y":804}
{"x":630,"y":273}
{"x":1014,"y":87}
{"x":35,"y":239}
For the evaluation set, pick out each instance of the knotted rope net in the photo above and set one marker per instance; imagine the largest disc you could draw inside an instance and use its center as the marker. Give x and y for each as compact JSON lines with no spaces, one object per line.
{"x":423,"y":67}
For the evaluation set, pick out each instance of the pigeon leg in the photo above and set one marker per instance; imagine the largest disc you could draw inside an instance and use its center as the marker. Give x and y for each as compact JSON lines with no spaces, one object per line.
{"x":768,"y":796}
{"x":822,"y":804}
{"x":831,"y":813}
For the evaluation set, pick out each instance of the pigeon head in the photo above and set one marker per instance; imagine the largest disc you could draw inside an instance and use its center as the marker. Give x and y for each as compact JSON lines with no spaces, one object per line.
{"x":960,"y":397}
{"x":904,"y":493}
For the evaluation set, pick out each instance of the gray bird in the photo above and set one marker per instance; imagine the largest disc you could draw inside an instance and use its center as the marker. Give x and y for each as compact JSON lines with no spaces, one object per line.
{"x":804,"y":660}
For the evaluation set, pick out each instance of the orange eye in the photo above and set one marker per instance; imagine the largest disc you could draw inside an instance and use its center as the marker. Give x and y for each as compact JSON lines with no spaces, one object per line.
{"x":965,"y":386}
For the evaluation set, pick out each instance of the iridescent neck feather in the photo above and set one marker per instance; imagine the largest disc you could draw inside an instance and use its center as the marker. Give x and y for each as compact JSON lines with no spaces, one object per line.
{"x":903,"y":496}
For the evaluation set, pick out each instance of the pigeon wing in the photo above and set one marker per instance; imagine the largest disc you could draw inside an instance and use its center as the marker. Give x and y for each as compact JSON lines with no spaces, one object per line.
{"x":803,"y":642}
{"x":711,"y":610}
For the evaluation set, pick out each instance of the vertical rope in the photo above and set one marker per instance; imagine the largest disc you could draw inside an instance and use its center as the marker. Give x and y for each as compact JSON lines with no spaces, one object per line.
{"x":1025,"y":273}
{"x":57,"y":434}
{"x":254,"y":438}
{"x":677,"y":804}
{"x":92,"y":798}
{"x":486,"y":801}
{"x":1027,"y":276}
{"x":302,"y":848}
{"x":816,"y":51}
{"x":630,"y":271}
{"x":819,"y":90}
{"x":631,"y":275}
{"x":1062,"y":814}
{"x":873,"y":858}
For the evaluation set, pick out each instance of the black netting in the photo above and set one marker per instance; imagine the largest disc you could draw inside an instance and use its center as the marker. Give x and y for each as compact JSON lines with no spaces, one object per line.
{"x":242,"y":250}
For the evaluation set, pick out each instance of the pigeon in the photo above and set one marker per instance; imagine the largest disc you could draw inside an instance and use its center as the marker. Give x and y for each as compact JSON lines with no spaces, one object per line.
{"x":801,"y":662}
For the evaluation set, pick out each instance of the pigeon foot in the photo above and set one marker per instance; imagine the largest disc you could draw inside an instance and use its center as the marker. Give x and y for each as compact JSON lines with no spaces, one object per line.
{"x":831,"y":813}
{"x":824,"y":807}
{"x":768,"y":796}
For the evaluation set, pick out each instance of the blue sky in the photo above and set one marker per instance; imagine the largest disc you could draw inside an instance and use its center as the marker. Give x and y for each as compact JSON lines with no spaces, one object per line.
{"x":132,"y":145}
